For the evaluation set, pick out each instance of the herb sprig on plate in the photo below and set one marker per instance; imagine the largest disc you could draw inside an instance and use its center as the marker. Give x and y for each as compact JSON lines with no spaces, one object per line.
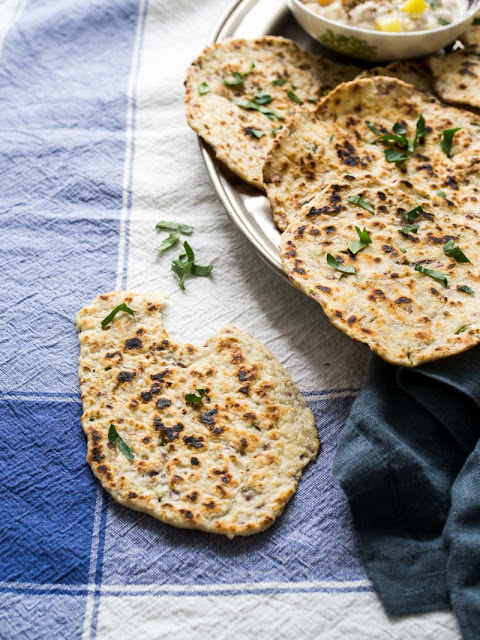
{"x":363,"y":241}
{"x":399,"y":139}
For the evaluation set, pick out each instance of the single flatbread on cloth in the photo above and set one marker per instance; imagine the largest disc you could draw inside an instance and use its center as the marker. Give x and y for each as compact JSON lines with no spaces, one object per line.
{"x":335,"y":143}
{"x":242,"y":137}
{"x":412,"y":72}
{"x":227,"y":463}
{"x":405,"y":316}
{"x":456,"y":77}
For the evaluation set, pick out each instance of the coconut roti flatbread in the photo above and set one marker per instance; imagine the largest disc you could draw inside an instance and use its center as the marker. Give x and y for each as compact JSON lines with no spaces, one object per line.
{"x":218,"y":435}
{"x":406,"y":316}
{"x":272,"y":73}
{"x":335,"y":142}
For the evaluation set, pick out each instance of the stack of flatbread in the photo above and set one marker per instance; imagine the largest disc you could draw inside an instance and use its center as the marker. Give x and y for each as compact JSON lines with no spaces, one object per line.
{"x":374,"y":186}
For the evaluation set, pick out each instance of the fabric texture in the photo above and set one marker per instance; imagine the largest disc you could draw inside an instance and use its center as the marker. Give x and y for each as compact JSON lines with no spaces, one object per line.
{"x":94,"y":151}
{"x":408,"y":460}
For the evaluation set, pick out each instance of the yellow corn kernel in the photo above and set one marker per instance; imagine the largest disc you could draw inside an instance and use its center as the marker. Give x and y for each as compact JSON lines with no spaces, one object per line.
{"x":324,"y":3}
{"x":415,"y":6}
{"x":389,"y":23}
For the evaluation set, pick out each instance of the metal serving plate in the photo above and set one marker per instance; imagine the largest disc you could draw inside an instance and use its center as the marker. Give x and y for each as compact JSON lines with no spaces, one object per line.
{"x":248,"y":208}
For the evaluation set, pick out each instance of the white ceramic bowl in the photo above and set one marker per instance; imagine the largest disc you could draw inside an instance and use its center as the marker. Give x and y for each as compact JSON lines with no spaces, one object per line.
{"x":378,"y":45}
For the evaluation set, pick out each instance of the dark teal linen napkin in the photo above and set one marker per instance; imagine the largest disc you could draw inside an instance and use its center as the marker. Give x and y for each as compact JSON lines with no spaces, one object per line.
{"x":409,"y":462}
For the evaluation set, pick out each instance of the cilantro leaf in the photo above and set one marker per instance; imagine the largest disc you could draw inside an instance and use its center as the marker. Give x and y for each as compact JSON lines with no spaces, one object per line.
{"x":411,"y":228}
{"x":400,"y":128}
{"x":447,"y":140}
{"x":361,"y":203}
{"x":441,"y":194}
{"x":169,"y":242}
{"x":455,"y":252}
{"x":293,"y":96}
{"x":461,"y":329}
{"x":263,"y":97}
{"x":165,"y":225}
{"x":121,"y":307}
{"x":191,"y":397}
{"x":235,"y":81}
{"x":373,"y":127}
{"x":203,"y":88}
{"x":395,"y":156}
{"x":279,"y":82}
{"x":436,"y":275}
{"x":114,"y":439}
{"x":466,"y":289}
{"x":250,"y":105}
{"x":413,"y":213}
{"x":275,"y":130}
{"x":442,"y":22}
{"x":364,"y":241}
{"x":185,"y":266}
{"x":339,"y":266}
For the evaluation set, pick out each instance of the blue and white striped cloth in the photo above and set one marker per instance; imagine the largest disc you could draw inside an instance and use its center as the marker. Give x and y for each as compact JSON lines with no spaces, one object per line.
{"x":94,"y":150}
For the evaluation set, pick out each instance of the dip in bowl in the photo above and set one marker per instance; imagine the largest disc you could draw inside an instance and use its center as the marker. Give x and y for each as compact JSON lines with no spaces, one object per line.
{"x":385,"y":29}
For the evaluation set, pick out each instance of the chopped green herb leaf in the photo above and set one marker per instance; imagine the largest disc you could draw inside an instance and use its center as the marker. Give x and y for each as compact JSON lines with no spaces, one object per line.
{"x":274,"y":131}
{"x":121,"y":307}
{"x":411,"y":228}
{"x":420,"y":131}
{"x":442,"y":22}
{"x":185,"y":266}
{"x":169,"y":242}
{"x":364,"y":241}
{"x":431,"y":3}
{"x":361,"y":203}
{"x":373,"y":127}
{"x":279,"y":82}
{"x":114,"y":438}
{"x":191,"y":397}
{"x":165,"y":225}
{"x":400,"y":128}
{"x":312,"y":100}
{"x":249,"y":104}
{"x":461,"y":329}
{"x":203,"y":88}
{"x":447,"y":140}
{"x":413,"y":213}
{"x":436,"y":275}
{"x":466,"y":289}
{"x":441,"y":194}
{"x":455,"y":252}
{"x":339,"y":266}
{"x":395,"y":156}
{"x":391,"y":137}
{"x":258,"y":133}
{"x":293,"y":96}
{"x":331,"y":138}
{"x":263,"y":97}
{"x":235,"y":81}
{"x":403,"y":250}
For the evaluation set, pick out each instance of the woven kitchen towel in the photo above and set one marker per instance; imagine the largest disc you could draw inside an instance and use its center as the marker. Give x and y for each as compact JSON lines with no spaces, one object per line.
{"x":409,"y":462}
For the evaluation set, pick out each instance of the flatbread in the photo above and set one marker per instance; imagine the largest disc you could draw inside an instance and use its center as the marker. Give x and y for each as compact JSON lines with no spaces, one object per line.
{"x":227,"y":464}
{"x":411,"y":72}
{"x":404,"y":316}
{"x":231,"y":130}
{"x":456,"y":77}
{"x":334,"y":143}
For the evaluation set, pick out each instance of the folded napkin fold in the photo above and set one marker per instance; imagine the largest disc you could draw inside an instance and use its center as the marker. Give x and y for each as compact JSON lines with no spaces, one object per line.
{"x":409,"y":461}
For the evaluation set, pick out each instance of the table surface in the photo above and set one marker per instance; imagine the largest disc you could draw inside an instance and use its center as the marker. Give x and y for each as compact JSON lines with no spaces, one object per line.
{"x":95,"y":150}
